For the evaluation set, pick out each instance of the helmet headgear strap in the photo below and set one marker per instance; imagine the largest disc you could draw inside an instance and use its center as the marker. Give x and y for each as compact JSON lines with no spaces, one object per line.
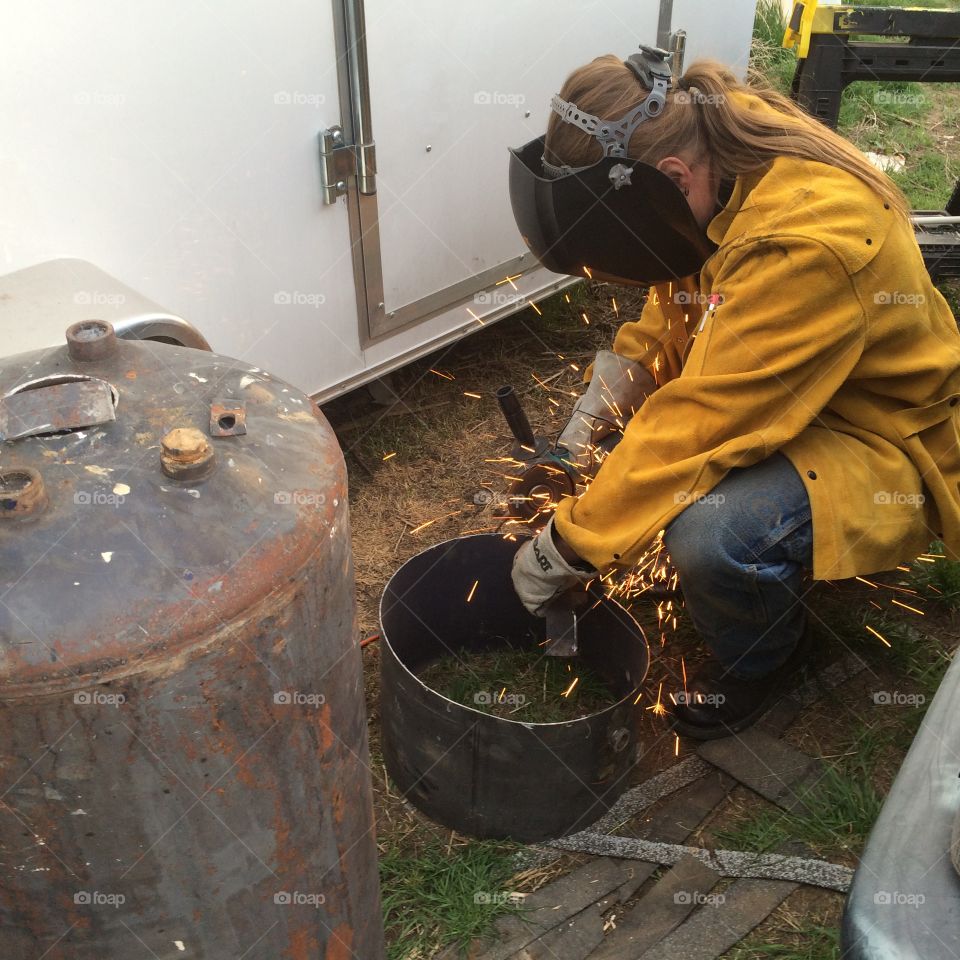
{"x":652,"y":68}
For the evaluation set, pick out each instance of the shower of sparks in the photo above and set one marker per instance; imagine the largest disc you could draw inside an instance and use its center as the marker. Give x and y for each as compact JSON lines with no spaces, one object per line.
{"x":569,"y":690}
{"x":473,"y":590}
{"x":446,"y":376}
{"x":906,"y":607}
{"x":879,"y":636}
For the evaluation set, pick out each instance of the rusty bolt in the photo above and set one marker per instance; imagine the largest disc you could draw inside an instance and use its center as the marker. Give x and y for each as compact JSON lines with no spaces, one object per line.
{"x":21,"y":493}
{"x":91,"y":340}
{"x":186,"y":454}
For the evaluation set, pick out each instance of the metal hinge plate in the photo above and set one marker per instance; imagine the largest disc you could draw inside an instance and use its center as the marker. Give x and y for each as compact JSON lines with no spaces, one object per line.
{"x":339,"y":161}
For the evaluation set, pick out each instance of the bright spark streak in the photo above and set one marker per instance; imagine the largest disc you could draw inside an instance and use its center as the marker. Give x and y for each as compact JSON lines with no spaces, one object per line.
{"x":881,"y":638}
{"x":906,"y":607}
{"x":473,"y":590}
{"x":446,"y":376}
{"x":569,"y":690}
{"x":389,"y":455}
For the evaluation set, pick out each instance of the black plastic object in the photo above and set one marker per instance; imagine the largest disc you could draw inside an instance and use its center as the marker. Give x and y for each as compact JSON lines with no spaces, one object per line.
{"x":622,"y":219}
{"x":483,"y":775}
{"x":516,"y":419}
{"x":905,"y":898}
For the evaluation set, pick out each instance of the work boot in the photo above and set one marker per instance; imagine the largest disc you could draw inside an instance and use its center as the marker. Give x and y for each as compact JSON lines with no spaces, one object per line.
{"x":718,"y":704}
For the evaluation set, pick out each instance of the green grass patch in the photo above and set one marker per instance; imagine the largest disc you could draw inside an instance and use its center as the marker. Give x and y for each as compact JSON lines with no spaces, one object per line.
{"x":768,"y":59}
{"x":812,"y":943}
{"x":438,"y":896}
{"x":937,"y":578}
{"x":521,"y":684}
{"x":841,"y":808}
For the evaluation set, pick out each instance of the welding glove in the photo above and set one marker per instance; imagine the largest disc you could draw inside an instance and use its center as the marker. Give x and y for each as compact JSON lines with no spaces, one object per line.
{"x":616,"y":390}
{"x":540,"y":573}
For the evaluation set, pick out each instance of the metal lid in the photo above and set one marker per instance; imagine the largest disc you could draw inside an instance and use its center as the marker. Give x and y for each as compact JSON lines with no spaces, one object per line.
{"x":181,"y":488}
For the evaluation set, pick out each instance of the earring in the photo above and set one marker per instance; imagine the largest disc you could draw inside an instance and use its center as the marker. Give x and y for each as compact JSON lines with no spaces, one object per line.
{"x":686,"y":191}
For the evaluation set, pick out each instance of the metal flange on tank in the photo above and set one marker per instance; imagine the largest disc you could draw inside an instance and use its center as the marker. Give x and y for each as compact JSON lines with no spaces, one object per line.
{"x":485,"y":775}
{"x":182,"y":726}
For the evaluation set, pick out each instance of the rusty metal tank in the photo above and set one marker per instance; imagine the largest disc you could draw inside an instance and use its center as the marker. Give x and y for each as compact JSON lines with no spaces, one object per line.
{"x":183,"y":752}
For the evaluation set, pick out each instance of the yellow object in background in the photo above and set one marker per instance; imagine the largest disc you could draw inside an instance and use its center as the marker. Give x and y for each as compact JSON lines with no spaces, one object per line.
{"x":800,"y":27}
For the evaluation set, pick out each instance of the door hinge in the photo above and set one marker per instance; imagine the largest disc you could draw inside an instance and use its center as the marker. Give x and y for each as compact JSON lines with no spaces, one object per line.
{"x":339,"y":161}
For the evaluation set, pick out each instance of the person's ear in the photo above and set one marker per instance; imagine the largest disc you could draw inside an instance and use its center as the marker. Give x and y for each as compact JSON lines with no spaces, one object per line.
{"x":678,"y":172}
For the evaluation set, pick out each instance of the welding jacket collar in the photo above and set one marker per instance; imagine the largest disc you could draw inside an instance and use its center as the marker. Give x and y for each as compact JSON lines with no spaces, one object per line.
{"x":621,"y":218}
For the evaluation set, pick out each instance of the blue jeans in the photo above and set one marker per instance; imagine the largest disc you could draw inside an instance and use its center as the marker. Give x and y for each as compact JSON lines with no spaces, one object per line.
{"x":740,"y":553}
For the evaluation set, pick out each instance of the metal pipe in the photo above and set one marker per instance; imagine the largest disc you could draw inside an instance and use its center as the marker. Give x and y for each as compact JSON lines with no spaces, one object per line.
{"x":356,"y":31}
{"x":663,"y":27}
{"x":935,"y":221}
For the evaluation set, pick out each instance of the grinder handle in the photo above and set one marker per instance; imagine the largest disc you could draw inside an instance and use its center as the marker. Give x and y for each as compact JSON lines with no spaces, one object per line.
{"x":515,"y":417}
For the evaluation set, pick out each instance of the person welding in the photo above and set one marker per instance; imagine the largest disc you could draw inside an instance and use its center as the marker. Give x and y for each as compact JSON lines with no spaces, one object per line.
{"x":791,"y":390}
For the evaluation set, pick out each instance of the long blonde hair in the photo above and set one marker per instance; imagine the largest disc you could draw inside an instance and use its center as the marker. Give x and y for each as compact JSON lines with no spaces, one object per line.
{"x":707,"y":120}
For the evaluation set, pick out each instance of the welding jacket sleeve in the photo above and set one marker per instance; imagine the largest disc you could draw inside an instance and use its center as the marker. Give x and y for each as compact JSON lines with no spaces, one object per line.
{"x":763,"y":364}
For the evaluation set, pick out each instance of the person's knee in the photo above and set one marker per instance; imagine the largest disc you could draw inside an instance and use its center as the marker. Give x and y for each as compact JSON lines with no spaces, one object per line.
{"x":702,"y":541}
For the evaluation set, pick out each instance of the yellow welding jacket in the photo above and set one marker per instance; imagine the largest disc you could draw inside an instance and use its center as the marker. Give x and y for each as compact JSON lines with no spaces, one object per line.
{"x":813,"y":330}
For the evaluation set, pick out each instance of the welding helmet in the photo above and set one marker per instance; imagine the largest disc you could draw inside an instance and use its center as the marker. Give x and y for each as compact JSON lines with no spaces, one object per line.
{"x":621,"y":218}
